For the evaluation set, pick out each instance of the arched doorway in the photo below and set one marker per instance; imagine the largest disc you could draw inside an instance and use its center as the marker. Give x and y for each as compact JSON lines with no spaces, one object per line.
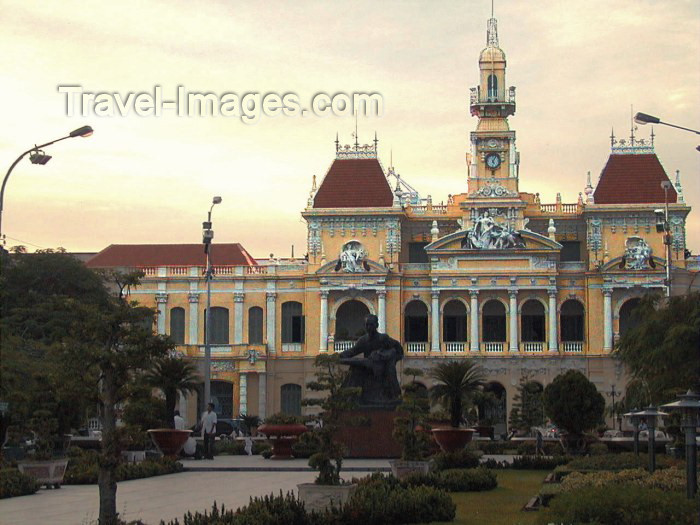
{"x":454,"y":322}
{"x":532,"y":322}
{"x":628,"y":317}
{"x":416,"y":322}
{"x":494,"y":322}
{"x":571,"y":321}
{"x":350,"y":320}
{"x":492,"y":408}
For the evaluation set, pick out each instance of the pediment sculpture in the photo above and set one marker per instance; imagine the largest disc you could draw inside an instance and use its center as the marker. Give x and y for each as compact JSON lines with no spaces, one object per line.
{"x":637,"y":254}
{"x":486,"y":234}
{"x":353,"y":258}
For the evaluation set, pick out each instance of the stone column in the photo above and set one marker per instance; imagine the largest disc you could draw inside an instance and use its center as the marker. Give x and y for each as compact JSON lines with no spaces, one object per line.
{"x":262,"y":395}
{"x":323,"y":332}
{"x":553,"y":336}
{"x":381,"y":306}
{"x":474,"y":307}
{"x":271,"y":324}
{"x":243,"y":393}
{"x":194,"y":318}
{"x":514,"y":345}
{"x":238,"y":298}
{"x":161,"y":301}
{"x":435,"y":321}
{"x":607,"y":320}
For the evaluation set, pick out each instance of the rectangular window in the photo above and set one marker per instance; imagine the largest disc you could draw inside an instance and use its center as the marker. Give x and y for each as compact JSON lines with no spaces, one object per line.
{"x":417,"y":253}
{"x":571,"y":251}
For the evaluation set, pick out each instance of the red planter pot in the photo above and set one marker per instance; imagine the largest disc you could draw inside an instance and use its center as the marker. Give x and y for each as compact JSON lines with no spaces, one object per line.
{"x":282,"y":437}
{"x":168,"y":440}
{"x":452,"y":439}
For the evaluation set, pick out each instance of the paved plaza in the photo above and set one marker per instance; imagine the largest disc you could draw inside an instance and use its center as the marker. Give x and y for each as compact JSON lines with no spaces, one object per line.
{"x":230,"y":480}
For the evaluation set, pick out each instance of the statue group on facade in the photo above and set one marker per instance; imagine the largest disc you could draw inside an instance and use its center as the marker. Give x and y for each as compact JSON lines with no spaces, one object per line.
{"x":486,"y":234}
{"x":637,"y":254}
{"x":352,"y":258}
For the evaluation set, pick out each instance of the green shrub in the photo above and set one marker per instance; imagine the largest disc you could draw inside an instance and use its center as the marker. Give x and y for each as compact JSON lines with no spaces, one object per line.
{"x":598,"y":449}
{"x":626,"y":505}
{"x":529,"y":448}
{"x":467,"y":480}
{"x":85,"y":469}
{"x":260,"y":447}
{"x":229,"y":447}
{"x":459,"y":459}
{"x":307,"y":445}
{"x":14,"y":483}
{"x":266,"y":453}
{"x":667,"y":480}
{"x":538,"y":462}
{"x":617,"y":462}
{"x":495,"y":447}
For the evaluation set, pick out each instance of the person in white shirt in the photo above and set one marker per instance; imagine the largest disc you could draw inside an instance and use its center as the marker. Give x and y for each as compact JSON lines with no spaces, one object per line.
{"x":179,"y":421}
{"x":209,"y":431}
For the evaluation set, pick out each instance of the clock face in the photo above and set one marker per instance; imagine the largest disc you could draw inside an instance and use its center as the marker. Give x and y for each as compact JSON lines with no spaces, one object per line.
{"x":493,"y":161}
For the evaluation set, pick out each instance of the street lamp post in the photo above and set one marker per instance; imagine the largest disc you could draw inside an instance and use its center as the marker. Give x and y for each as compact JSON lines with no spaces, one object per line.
{"x":650,"y":414}
{"x":689,"y":405}
{"x":207,"y":237}
{"x":38,"y":157}
{"x":643,"y":118}
{"x":664,"y":226}
{"x":612,"y":394}
{"x":634,"y":417}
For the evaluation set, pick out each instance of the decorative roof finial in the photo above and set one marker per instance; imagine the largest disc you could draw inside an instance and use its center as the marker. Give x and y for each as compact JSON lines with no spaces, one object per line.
{"x":337,"y":142}
{"x":357,"y":144}
{"x":491,"y":30}
{"x":632,"y":126}
{"x":612,"y":137}
{"x":589,"y":189}
{"x":376,"y":141}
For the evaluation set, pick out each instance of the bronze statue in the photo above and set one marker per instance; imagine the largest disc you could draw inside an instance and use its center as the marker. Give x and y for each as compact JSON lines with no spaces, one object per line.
{"x":375,"y":373}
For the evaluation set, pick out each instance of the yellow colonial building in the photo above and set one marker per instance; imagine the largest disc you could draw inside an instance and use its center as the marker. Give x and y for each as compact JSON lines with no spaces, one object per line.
{"x":524,"y":288}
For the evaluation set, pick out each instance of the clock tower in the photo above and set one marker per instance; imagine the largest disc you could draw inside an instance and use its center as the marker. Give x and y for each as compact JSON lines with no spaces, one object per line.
{"x":492,"y":161}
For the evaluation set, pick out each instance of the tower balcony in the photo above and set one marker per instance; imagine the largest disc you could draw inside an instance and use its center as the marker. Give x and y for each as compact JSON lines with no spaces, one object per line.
{"x":492,"y":104}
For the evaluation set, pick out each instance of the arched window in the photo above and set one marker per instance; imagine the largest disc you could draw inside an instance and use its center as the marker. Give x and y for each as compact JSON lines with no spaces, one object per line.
{"x":291,"y":399}
{"x":532,"y":322}
{"x":177,"y":325}
{"x":454,"y":322}
{"x":628,"y":317}
{"x":222,"y":397}
{"x":571,"y":320}
{"x":350,"y":321}
{"x":292,"y":322}
{"x":416,"y":319}
{"x":492,"y":87}
{"x":493,"y":320}
{"x":255,"y":325}
{"x":219,"y":326}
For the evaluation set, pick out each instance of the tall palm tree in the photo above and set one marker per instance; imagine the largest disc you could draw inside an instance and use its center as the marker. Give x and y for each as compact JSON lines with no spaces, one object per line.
{"x":173,"y":375}
{"x":457,"y":381}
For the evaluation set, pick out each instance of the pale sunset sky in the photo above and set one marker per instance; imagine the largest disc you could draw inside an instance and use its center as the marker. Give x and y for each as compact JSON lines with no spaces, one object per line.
{"x":578,"y":66}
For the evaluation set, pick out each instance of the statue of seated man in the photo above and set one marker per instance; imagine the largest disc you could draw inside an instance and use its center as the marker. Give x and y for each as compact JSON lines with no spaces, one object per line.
{"x":375,"y":373}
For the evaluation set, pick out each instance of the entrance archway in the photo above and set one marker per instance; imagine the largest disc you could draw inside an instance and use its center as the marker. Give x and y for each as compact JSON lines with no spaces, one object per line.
{"x":628,"y":317}
{"x":492,"y":409}
{"x":350,"y":320}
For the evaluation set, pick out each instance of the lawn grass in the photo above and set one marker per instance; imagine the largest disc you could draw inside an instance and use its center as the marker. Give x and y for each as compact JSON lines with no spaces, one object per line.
{"x":503,"y":504}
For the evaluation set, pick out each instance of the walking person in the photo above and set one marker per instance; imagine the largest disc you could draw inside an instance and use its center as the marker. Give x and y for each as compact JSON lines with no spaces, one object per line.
{"x":209,"y":431}
{"x":539,"y":443}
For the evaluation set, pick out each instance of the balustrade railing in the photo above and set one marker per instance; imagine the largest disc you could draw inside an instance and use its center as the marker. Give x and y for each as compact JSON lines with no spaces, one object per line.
{"x":416,"y":348}
{"x":455,"y":348}
{"x":532,"y":347}
{"x":341,"y":346}
{"x":572,"y":347}
{"x":492,"y":348}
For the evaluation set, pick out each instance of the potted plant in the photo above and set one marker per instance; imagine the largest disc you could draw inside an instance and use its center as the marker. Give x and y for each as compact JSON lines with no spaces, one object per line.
{"x":251,"y":424}
{"x":455,"y":384}
{"x":134,"y":441}
{"x":282,"y":431}
{"x":328,"y":488}
{"x":410,"y":428}
{"x":47,"y":462}
{"x":172,"y":375}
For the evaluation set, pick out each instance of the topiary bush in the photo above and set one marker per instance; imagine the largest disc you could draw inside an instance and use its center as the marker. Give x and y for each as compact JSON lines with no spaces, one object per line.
{"x":83,"y":469}
{"x":460,"y":459}
{"x":538,"y":462}
{"x":308,"y":444}
{"x":455,"y":480}
{"x":15,"y":483}
{"x":626,"y":505}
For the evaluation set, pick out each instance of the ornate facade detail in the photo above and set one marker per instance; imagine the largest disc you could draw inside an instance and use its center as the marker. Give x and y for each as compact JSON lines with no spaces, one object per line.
{"x":161,"y":298}
{"x":487,"y":235}
{"x":677,"y":233}
{"x":271,"y":296}
{"x":193,"y":297}
{"x":595,"y":235}
{"x":353,"y":258}
{"x":493,"y":189}
{"x":637,"y":254}
{"x":366,"y":151}
{"x":314,"y":237}
{"x":238,"y":297}
{"x":223,"y":366}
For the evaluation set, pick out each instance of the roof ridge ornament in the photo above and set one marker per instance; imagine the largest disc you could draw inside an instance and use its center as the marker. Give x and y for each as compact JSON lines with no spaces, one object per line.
{"x":491,"y":33}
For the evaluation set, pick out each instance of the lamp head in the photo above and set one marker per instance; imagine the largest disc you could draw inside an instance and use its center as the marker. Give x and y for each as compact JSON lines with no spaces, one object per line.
{"x":216,"y":200}
{"x":85,"y":131}
{"x":660,"y":220}
{"x":39,"y":157}
{"x":643,"y":118}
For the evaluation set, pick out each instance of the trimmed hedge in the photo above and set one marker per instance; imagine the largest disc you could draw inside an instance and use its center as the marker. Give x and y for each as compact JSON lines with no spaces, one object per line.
{"x":550,"y":448}
{"x":672,"y":479}
{"x":15,"y":483}
{"x":539,"y":462}
{"x":616,"y":462}
{"x":455,"y":480}
{"x":626,"y":505}
{"x":83,"y":469}
{"x":495,"y":447}
{"x":451,"y":460}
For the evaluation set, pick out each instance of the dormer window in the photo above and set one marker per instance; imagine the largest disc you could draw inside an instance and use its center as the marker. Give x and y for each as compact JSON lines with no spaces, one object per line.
{"x":492,"y":88}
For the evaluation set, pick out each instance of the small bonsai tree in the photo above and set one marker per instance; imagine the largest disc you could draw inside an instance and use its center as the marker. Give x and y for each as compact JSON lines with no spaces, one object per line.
{"x":413,"y":410}
{"x":574,"y":404}
{"x":456,"y":383}
{"x":339,"y":399}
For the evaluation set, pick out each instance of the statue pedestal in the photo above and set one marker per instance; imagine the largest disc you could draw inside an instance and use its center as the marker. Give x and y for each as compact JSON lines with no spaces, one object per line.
{"x":372,"y":438}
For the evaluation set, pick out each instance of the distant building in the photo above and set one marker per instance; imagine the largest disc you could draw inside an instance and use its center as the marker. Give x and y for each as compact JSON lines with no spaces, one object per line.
{"x":523,"y":287}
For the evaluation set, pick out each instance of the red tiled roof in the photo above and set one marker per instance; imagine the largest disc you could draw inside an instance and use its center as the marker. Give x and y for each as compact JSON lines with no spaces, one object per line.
{"x":135,"y":255}
{"x":632,"y":179}
{"x":354,"y":183}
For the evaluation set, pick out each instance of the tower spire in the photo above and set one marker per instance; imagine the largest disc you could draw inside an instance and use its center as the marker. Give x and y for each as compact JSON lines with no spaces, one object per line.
{"x":491,"y":30}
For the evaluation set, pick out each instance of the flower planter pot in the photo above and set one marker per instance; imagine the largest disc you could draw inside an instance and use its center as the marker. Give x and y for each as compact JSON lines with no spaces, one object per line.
{"x":168,"y":440}
{"x":452,"y":439}
{"x":401,"y":468}
{"x":282,"y":437}
{"x":321,"y":497}
{"x":49,"y":472}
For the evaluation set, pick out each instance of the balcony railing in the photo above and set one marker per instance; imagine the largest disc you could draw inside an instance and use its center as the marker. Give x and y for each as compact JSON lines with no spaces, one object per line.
{"x":436,"y":209}
{"x":572,"y":347}
{"x":455,"y":348}
{"x":532,"y":347}
{"x":292,"y":347}
{"x":341,"y":346}
{"x":492,"y":348}
{"x":416,"y":348}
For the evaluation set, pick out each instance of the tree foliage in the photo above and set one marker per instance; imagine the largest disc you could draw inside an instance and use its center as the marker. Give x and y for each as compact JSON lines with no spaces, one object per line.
{"x":662,"y":351}
{"x":413,"y":412}
{"x":528,"y":406}
{"x":456,"y":383}
{"x":173,"y":375}
{"x":573,"y":403}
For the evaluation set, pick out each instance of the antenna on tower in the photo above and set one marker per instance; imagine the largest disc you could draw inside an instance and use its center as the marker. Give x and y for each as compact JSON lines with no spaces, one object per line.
{"x":491,"y":8}
{"x":632,"y":126}
{"x":357,"y":144}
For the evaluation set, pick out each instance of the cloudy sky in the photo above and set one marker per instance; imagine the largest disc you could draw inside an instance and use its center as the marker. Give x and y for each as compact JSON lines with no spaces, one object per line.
{"x":578,"y":67}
